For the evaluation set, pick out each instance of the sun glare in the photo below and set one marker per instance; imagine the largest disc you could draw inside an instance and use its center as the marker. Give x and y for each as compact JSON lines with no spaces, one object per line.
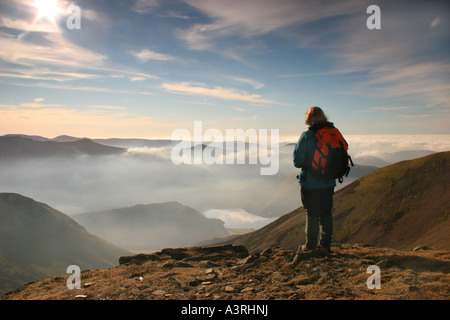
{"x":47,"y":9}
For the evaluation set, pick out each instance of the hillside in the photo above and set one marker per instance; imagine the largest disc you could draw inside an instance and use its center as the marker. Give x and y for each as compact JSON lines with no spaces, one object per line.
{"x":400,"y":206}
{"x":17,"y":146}
{"x":37,"y":241}
{"x":230,"y":273}
{"x":152,"y":227}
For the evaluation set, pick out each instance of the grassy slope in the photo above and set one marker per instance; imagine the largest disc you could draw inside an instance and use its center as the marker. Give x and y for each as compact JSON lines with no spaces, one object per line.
{"x":399,"y":206}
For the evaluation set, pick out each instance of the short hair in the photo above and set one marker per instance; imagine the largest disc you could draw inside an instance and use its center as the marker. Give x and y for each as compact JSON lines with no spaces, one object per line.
{"x":315,"y":115}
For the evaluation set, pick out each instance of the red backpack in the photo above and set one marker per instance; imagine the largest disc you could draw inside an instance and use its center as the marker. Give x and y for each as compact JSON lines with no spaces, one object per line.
{"x":331,"y":160}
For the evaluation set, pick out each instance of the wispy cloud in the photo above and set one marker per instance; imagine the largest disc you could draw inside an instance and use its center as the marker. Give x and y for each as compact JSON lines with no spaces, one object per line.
{"x":54,"y":53}
{"x":108,"y":107}
{"x":56,"y":60}
{"x":25,"y":26}
{"x":216,"y":92}
{"x":161,"y":8}
{"x":39,"y":105}
{"x":435,"y":23}
{"x":318,"y":74}
{"x":48,"y":85}
{"x":245,"y":118}
{"x":255,"y":84}
{"x":245,"y":19}
{"x":414,"y":116}
{"x":393,"y":63}
{"x":146,"y":54}
{"x":392,"y":108}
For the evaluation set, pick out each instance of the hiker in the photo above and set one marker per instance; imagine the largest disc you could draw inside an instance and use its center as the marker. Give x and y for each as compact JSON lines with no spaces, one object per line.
{"x":316,"y":193}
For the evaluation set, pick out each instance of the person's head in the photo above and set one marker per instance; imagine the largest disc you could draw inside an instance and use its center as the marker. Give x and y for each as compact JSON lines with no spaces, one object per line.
{"x":315,"y":115}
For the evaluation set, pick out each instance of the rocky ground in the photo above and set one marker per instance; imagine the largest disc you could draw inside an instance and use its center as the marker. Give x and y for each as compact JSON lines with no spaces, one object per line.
{"x":230,"y":273}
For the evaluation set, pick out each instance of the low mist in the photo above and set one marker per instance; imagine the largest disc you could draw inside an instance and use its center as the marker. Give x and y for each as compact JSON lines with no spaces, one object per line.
{"x":147,"y":175}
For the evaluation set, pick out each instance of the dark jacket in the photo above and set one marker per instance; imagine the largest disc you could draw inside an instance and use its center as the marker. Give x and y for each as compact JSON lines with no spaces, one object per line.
{"x":303,"y":153}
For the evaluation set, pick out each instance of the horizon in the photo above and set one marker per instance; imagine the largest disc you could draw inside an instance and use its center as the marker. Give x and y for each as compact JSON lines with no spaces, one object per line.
{"x":282,"y":140}
{"x":144,"y":68}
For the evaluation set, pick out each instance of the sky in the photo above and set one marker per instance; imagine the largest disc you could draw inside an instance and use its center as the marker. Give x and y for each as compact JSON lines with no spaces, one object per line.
{"x":144,"y":68}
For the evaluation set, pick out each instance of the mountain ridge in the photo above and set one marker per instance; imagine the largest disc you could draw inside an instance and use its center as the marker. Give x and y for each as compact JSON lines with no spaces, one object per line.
{"x":152,"y":226}
{"x":18,"y":146}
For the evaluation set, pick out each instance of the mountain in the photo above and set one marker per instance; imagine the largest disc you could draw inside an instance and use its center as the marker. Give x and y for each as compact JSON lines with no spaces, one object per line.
{"x":32,"y":137}
{"x":37,"y":241}
{"x":135,"y":143}
{"x":400,"y":206}
{"x":152,"y":226}
{"x":65,"y":138}
{"x":13,"y":146}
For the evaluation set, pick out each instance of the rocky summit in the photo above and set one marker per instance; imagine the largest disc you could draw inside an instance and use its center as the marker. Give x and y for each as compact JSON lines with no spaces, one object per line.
{"x":229,"y":272}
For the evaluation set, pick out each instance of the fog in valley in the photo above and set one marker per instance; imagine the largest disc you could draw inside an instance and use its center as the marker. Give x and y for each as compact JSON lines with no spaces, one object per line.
{"x":237,"y":194}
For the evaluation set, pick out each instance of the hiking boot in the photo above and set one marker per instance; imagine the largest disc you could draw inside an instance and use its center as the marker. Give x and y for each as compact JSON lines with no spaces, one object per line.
{"x":301,"y":253}
{"x":324,"y":251}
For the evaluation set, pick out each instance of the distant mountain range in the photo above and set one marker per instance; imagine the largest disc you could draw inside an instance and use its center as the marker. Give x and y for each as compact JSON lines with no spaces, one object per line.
{"x":21,"y":145}
{"x":17,"y":146}
{"x":386,"y":158}
{"x":153,"y":226}
{"x":399,"y":206}
{"x":37,"y":241}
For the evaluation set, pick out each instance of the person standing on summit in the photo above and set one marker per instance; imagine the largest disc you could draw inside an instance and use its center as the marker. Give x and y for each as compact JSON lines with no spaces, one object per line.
{"x":316,"y":191}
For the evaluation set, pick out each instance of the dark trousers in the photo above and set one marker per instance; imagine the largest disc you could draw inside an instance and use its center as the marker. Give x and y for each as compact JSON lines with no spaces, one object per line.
{"x":318,"y":204}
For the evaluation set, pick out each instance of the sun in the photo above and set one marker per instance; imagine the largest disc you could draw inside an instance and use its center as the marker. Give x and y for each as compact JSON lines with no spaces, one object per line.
{"x":47,"y":9}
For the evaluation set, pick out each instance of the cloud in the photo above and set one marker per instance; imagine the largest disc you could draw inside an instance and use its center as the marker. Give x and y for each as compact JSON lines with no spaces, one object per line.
{"x":48,"y":85}
{"x":377,"y":145}
{"x":138,"y":78}
{"x":25,"y":26}
{"x":145,"y":55}
{"x":245,"y":19}
{"x":145,"y":6}
{"x":392,"y":108}
{"x":216,"y":92}
{"x":38,"y":105}
{"x":238,"y":218}
{"x":244,"y":118}
{"x":414,"y":116}
{"x":390,"y":60}
{"x":391,"y":63}
{"x":255,"y":84}
{"x":266,"y":16}
{"x":435,"y":23}
{"x":161,"y":8}
{"x":108,"y":107}
{"x":54,"y":53}
{"x":51,"y":56}
{"x":42,"y":74}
